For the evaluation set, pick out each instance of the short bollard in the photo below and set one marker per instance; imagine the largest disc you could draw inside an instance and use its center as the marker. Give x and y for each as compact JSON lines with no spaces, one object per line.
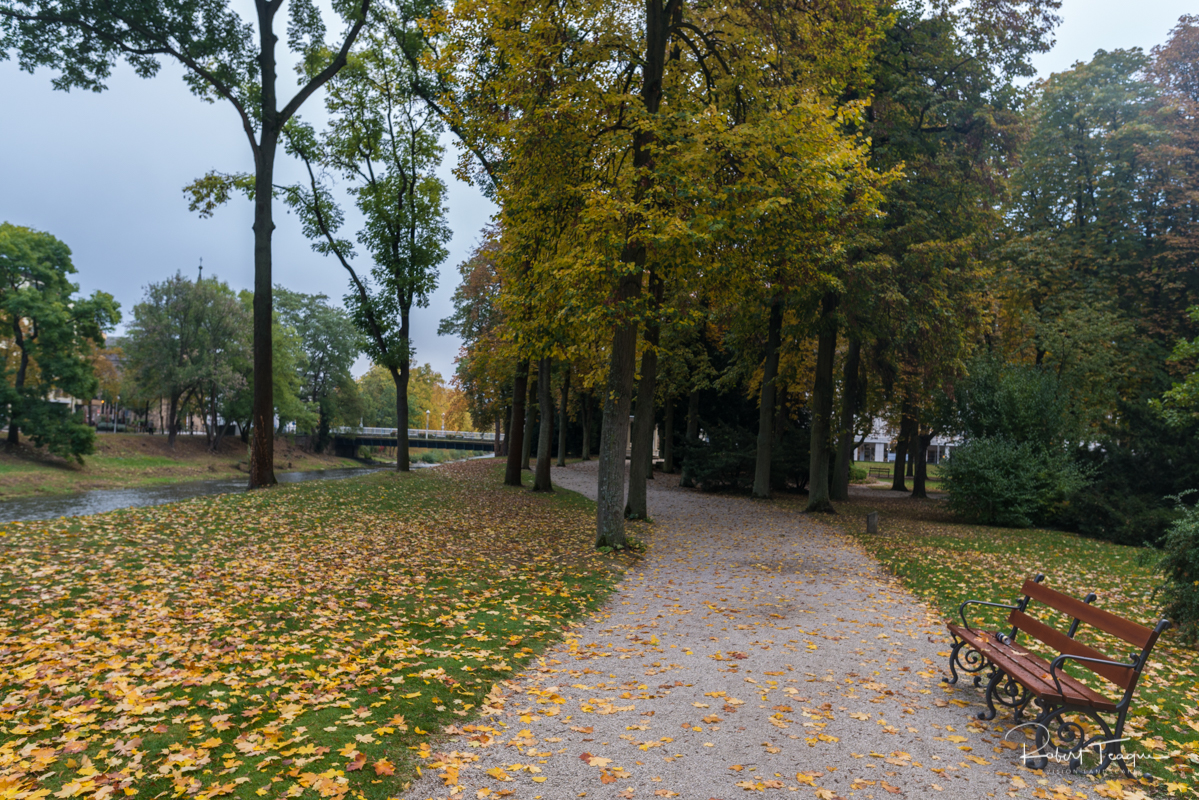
{"x":872,"y":522}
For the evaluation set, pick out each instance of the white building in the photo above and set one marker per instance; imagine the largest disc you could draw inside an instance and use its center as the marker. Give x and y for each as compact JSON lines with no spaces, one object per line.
{"x":880,"y":445}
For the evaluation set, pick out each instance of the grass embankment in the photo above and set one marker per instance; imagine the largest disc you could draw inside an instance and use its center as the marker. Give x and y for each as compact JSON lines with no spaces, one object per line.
{"x":947,"y":562}
{"x":129,"y":460}
{"x":303,"y":640}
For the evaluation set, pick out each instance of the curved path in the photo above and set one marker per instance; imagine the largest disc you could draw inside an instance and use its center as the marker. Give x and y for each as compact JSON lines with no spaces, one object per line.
{"x":753,"y":649}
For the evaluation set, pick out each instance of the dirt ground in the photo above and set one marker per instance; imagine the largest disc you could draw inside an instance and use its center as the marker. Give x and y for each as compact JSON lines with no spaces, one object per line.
{"x":124,"y":460}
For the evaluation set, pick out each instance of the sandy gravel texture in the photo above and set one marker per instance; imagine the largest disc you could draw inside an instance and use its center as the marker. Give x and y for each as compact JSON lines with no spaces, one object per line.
{"x":752,"y":650}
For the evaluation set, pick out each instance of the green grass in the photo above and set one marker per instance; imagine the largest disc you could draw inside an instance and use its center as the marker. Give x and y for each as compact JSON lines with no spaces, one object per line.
{"x":312,"y":635}
{"x":947,"y":563}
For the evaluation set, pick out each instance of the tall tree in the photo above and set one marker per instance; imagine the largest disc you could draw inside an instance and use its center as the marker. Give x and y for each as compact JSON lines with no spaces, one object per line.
{"x":330,"y":343}
{"x":384,"y":143}
{"x":53,"y":333}
{"x":187,"y":344}
{"x":224,"y":57}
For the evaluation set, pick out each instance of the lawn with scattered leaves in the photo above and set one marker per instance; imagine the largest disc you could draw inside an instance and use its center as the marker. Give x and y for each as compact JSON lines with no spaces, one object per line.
{"x":303,"y":640}
{"x":948,"y":562}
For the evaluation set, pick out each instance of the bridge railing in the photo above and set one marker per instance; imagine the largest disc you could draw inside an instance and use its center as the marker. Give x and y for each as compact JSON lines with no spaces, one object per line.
{"x":418,"y":433}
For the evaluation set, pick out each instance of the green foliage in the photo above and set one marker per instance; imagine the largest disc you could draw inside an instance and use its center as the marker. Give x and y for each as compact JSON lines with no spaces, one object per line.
{"x":1020,"y":402}
{"x":49,"y":339}
{"x":994,"y":480}
{"x":858,"y":474}
{"x":1016,"y":468}
{"x":1183,"y":397}
{"x":1180,"y":565}
{"x":330,"y":344}
{"x":189,"y":343}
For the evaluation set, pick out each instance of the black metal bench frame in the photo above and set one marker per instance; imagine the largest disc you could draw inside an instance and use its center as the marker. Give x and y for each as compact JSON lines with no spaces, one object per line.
{"x":1015,"y":676}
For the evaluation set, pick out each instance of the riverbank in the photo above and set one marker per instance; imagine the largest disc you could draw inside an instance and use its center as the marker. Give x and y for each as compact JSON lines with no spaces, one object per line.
{"x":124,"y":461}
{"x":313,"y":636}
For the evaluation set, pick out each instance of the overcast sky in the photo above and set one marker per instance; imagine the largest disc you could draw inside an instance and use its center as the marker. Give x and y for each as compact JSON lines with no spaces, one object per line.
{"x":105,"y":173}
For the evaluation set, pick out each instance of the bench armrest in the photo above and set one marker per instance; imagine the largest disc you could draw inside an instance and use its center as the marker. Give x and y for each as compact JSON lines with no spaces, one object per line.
{"x":962,"y":609}
{"x":1060,"y":660}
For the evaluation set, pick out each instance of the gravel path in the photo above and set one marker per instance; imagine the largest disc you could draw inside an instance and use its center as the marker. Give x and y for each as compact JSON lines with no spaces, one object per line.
{"x":753,"y":649}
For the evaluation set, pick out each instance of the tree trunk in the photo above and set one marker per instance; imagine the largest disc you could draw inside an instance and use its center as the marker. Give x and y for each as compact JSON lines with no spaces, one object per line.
{"x":851,"y":391}
{"x":400,"y":378}
{"x":920,"y":471}
{"x":770,"y":371}
{"x":588,"y":418}
{"x":526,"y":445}
{"x":545,"y":410}
{"x":901,"y":448}
{"x":262,"y":448}
{"x":668,"y":438}
{"x":822,"y":407}
{"x":516,"y":428}
{"x":687,"y":479}
{"x":641,"y":457}
{"x":614,"y":433}
{"x":562,"y":420}
{"x":499,"y":438}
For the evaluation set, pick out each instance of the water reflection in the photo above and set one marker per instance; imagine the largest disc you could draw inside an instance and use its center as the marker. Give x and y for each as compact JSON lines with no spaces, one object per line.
{"x":101,"y":500}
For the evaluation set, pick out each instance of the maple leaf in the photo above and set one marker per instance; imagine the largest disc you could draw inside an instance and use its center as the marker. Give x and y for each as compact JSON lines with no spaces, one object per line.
{"x":384,"y":767}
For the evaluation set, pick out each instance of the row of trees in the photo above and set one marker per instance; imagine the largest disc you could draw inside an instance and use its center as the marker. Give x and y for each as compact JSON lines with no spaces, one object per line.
{"x":776,"y":201}
{"x":781,"y":219}
{"x":188,"y":351}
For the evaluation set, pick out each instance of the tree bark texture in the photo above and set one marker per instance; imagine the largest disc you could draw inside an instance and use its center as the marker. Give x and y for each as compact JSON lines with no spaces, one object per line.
{"x":516,"y":428}
{"x":901,"y":448}
{"x":614,"y":435}
{"x":562,"y":419}
{"x":851,"y":392}
{"x":262,"y":425}
{"x":920,"y":462}
{"x":400,"y":378}
{"x":822,"y":407}
{"x":526,"y":445}
{"x":770,"y":371}
{"x":687,"y":479}
{"x":641,"y":457}
{"x":545,"y":411}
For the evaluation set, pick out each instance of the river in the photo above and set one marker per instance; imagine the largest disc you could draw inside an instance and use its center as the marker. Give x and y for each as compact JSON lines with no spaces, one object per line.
{"x":101,"y":500}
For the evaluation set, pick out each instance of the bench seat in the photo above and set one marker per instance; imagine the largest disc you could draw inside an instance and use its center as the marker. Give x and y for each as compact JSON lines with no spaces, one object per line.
{"x":1032,"y":671}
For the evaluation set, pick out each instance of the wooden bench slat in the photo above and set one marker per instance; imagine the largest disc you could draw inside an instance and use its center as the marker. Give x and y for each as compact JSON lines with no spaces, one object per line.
{"x":1131,"y":632}
{"x":1121,"y":676}
{"x":1033,"y":671}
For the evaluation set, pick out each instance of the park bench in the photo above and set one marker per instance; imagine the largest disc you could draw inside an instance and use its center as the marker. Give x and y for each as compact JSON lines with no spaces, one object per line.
{"x":1015,"y":676}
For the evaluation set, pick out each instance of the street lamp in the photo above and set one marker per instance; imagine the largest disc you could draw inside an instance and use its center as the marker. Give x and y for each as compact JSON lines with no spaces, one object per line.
{"x":426,"y":423}
{"x":115,"y":406}
{"x":443,"y":422}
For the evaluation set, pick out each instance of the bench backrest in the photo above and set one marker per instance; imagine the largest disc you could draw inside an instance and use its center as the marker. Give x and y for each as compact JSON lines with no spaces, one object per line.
{"x":1137,"y":635}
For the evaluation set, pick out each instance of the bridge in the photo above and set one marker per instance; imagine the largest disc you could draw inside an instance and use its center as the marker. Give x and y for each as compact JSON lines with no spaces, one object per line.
{"x":346,"y":441}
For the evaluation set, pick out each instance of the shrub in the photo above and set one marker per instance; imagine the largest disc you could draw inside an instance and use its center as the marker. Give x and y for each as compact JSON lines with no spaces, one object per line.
{"x":995,"y":481}
{"x":858,"y":474}
{"x":1180,"y":566}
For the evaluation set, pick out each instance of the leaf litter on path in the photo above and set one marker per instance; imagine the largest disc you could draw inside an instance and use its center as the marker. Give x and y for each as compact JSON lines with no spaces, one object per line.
{"x":753,"y":650}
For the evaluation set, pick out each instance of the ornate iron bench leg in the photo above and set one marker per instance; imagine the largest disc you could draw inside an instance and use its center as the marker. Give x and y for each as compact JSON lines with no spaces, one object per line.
{"x":1008,"y":693}
{"x":971,"y":662}
{"x":996,"y":676}
{"x":1062,"y":736}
